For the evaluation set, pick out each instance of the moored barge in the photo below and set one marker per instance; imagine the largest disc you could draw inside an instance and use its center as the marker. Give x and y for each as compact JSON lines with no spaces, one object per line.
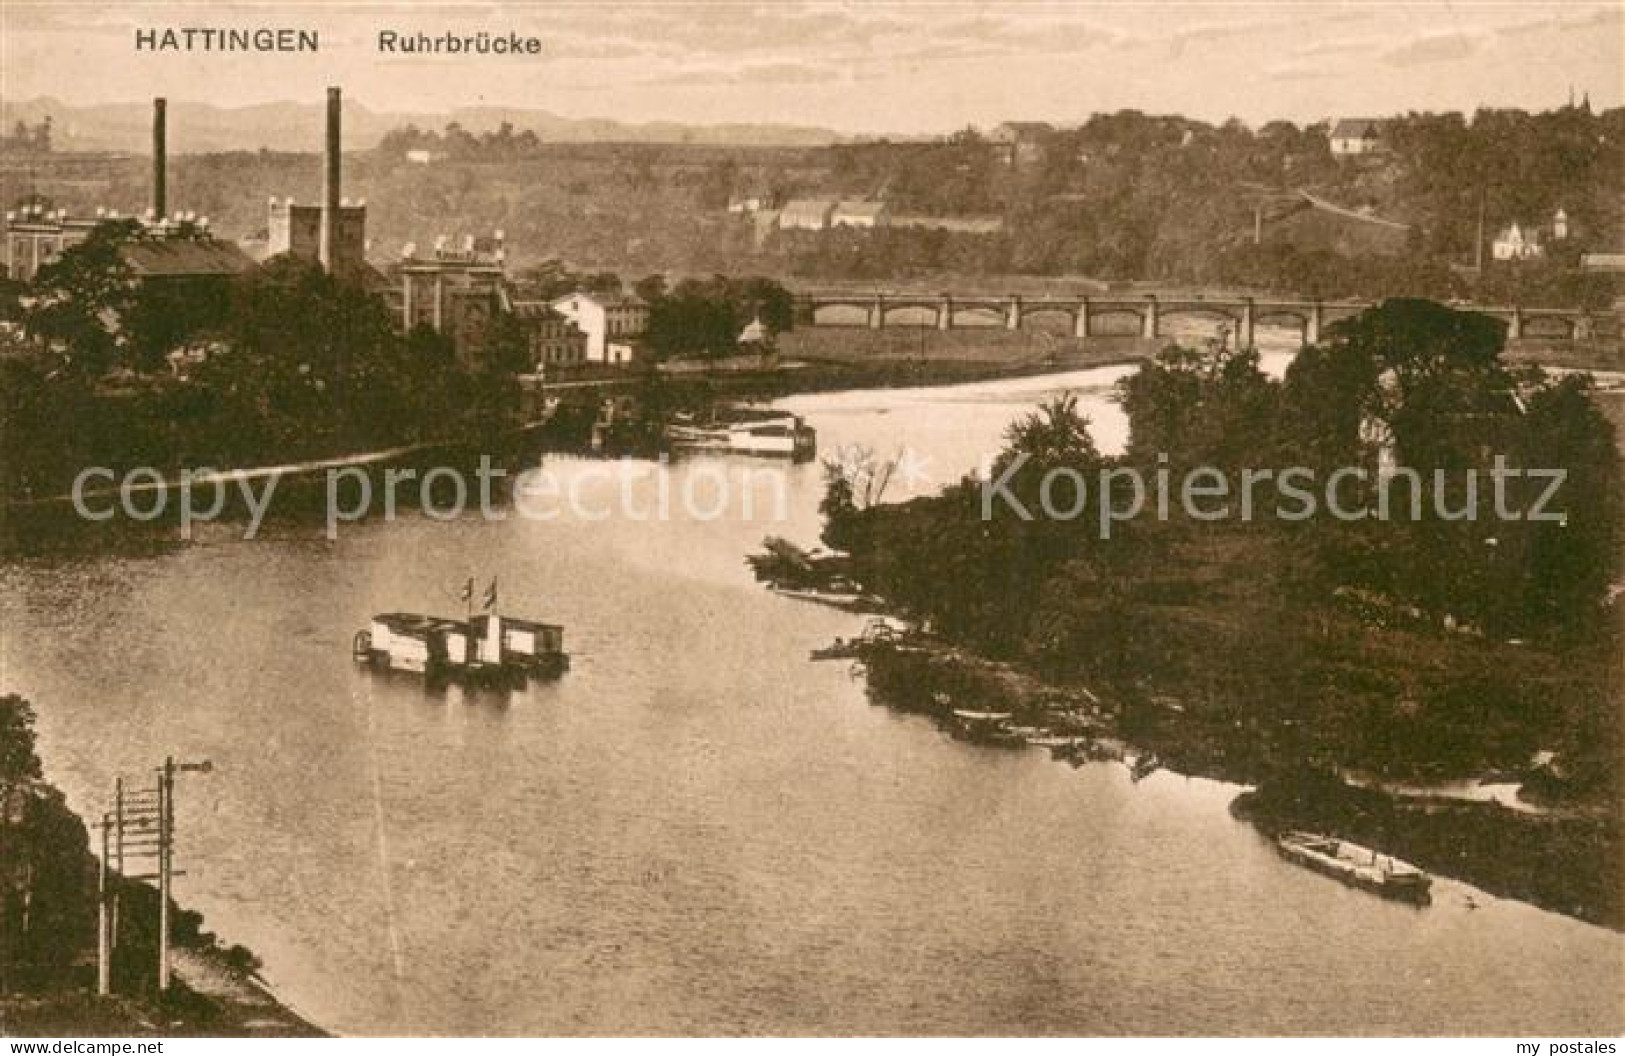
{"x":1356,"y":866}
{"x":483,"y":648}
{"x":777,"y":436}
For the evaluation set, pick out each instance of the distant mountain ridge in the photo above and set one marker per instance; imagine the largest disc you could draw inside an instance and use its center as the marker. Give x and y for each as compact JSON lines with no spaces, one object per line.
{"x":202,"y":127}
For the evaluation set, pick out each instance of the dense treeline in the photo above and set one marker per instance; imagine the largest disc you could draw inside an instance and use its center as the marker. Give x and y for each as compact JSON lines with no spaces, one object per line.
{"x":1379,"y":640}
{"x":705,"y":317}
{"x":1137,"y":196}
{"x":459,"y":144}
{"x":288,"y":362}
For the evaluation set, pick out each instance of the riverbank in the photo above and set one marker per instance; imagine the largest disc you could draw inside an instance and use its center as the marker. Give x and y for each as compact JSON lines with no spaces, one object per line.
{"x":50,"y":900}
{"x":1263,"y":654}
{"x":1565,"y":859}
{"x":209,"y":998}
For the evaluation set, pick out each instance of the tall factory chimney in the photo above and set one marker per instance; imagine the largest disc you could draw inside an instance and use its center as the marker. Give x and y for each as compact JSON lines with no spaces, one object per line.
{"x":160,"y":197}
{"x":330,"y":179}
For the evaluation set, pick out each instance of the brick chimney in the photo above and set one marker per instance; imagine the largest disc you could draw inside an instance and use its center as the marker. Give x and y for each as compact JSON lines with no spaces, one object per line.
{"x":331,"y":176}
{"x":160,"y":196}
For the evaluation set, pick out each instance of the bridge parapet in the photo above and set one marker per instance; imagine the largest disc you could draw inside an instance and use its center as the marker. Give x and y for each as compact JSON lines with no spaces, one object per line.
{"x":1014,"y":310}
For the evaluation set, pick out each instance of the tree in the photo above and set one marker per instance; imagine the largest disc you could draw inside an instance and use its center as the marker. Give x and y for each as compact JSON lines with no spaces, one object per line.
{"x":1055,"y":436}
{"x":78,"y":298}
{"x":650,"y":288}
{"x":1572,"y":562}
{"x":46,"y":897}
{"x":705,"y":317}
{"x":855,"y":482}
{"x":162,"y":316}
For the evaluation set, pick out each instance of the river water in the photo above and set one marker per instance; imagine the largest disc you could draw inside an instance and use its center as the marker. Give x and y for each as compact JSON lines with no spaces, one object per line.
{"x":696,"y":830}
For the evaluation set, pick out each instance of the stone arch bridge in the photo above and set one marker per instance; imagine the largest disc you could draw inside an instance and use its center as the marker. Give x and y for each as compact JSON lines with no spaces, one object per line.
{"x":1083,"y":312}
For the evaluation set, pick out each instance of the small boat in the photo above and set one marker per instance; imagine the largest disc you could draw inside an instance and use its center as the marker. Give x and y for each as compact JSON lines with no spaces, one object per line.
{"x":1356,"y":866}
{"x":839,"y":649}
{"x":1057,"y":740}
{"x":985,"y":727}
{"x":485,"y":648}
{"x":847,"y":601}
{"x":782,"y":436}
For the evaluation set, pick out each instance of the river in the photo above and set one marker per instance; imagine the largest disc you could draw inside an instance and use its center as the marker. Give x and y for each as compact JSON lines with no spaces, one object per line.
{"x":696,"y":830}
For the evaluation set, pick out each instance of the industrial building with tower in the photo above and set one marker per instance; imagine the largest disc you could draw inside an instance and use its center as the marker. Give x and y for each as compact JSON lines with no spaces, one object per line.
{"x":456,"y":289}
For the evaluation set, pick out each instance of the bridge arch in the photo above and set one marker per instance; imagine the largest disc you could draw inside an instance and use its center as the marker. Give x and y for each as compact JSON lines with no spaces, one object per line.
{"x":1543,"y":325}
{"x":911,"y":313}
{"x":978,"y":313}
{"x":1116,"y":319}
{"x":1216,"y":312}
{"x":840,"y":313}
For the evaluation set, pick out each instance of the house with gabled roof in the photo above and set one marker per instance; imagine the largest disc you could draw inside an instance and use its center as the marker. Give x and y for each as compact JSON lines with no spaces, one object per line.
{"x":1353,"y":136}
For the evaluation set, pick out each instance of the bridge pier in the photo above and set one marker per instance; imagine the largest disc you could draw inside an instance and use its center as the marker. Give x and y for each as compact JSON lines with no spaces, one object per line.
{"x":1313,"y":322}
{"x":1244,"y":326}
{"x":1080,"y":322}
{"x":1012,"y":313}
{"x":1148,"y":319}
{"x":877,"y":314}
{"x":945,"y":313}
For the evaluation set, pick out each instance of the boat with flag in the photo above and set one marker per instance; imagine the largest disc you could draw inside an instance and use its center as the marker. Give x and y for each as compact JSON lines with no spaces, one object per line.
{"x":484,"y":647}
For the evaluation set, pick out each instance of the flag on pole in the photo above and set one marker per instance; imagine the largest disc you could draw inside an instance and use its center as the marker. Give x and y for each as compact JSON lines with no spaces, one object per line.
{"x":468,"y":591}
{"x":491,"y":594}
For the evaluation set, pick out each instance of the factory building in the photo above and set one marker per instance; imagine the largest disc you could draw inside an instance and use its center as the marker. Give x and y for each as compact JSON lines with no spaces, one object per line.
{"x":178,"y":244}
{"x":453,"y":291}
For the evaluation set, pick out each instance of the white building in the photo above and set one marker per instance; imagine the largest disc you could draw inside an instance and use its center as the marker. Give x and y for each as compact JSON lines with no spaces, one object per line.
{"x":612,"y":323}
{"x":860,"y":214}
{"x":1516,"y":243}
{"x":806,"y":214}
{"x":1356,"y":135}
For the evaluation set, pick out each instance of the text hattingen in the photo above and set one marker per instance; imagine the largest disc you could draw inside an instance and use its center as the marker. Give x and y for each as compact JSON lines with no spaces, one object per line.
{"x":266,"y":39}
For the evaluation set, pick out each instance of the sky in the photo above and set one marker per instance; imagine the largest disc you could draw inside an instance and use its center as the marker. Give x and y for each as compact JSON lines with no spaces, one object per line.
{"x":856,"y":67}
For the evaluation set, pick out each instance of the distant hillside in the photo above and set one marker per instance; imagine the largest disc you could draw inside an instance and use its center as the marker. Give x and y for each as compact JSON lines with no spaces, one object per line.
{"x":1122,"y":197}
{"x":202,"y":127}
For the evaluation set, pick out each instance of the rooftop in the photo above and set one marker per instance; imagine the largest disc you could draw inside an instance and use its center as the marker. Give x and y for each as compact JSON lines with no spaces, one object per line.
{"x":180,"y":257}
{"x":1356,"y":128}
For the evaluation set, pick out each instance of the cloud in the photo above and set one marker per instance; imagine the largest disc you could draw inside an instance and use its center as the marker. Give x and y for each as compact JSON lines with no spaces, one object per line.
{"x":1299,"y":70}
{"x":1610,"y":17}
{"x":1438,"y":47}
{"x":758,"y":74}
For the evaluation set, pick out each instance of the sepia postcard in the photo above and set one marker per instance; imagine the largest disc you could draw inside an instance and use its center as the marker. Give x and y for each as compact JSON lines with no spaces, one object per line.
{"x":896,"y":519}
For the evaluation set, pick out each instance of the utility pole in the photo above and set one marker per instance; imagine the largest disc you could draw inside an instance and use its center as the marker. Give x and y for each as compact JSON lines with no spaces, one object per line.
{"x":166,"y":843}
{"x":104,"y":925}
{"x":166,"y":854}
{"x":150,"y":813}
{"x":118,"y":852}
{"x":1478,"y":243}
